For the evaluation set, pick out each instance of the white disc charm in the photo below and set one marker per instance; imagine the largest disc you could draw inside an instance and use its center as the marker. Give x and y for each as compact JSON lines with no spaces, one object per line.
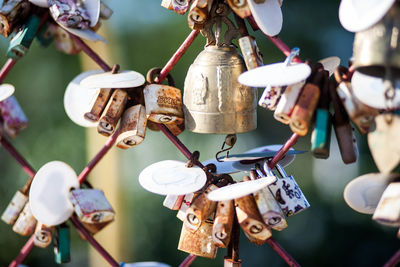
{"x":371,"y":91}
{"x":363,"y":193}
{"x":172,"y":177}
{"x":241,"y":189}
{"x":6,"y":90}
{"x":86,"y":34}
{"x":277,"y":74}
{"x":78,"y":99}
{"x":222,"y":167}
{"x":49,"y":193}
{"x":93,"y":9}
{"x":358,"y":15}
{"x":124,"y":79}
{"x":330,"y":64}
{"x":40,"y":3}
{"x":268,"y":16}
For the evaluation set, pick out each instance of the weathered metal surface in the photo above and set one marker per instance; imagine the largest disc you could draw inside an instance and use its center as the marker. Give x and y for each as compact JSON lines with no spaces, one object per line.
{"x":177,"y":127}
{"x":223,"y":223}
{"x":187,"y":201}
{"x":15,"y":207}
{"x":173,"y":202}
{"x":99,"y":105}
{"x":240,"y":7}
{"x":113,"y":112}
{"x":26,"y":223}
{"x":43,"y":235}
{"x":12,"y":13}
{"x":13,"y":116}
{"x":388,"y":210}
{"x":65,"y":43}
{"x":287,"y":102}
{"x":250,"y":52}
{"x":69,"y":13}
{"x":178,"y":6}
{"x":132,"y":127}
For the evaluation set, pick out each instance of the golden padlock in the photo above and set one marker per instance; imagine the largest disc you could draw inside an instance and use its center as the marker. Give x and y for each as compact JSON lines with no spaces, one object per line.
{"x":250,"y":52}
{"x":15,"y":207}
{"x":133,"y":127}
{"x":240,"y":7}
{"x":163,"y":103}
{"x":200,"y":209}
{"x":26,"y":223}
{"x":43,"y":235}
{"x":214,"y":101}
{"x":113,"y":112}
{"x":223,"y":223}
{"x":200,"y":242}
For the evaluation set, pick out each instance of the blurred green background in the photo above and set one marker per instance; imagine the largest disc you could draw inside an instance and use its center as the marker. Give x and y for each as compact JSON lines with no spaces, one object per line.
{"x":145,"y":35}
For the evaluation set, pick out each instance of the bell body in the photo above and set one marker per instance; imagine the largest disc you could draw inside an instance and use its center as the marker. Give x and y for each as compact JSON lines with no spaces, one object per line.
{"x":378,"y":47}
{"x":15,"y":207}
{"x":214,"y":101}
{"x":199,"y":243}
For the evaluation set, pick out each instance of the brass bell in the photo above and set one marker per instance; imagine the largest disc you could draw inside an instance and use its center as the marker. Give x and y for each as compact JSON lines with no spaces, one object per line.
{"x":377,"y":48}
{"x":214,"y":101}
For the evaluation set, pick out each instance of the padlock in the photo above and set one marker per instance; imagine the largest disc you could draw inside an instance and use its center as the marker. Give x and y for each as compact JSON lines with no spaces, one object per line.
{"x":65,"y":43}
{"x":173,"y":202}
{"x":287,"y":193}
{"x":163,"y":103}
{"x":287,"y":102}
{"x":240,"y":7}
{"x":187,"y":201}
{"x":26,"y":223}
{"x":13,"y":116}
{"x":270,"y":97}
{"x":15,"y":207}
{"x":200,"y":209}
{"x":361,"y":115}
{"x":105,"y":11}
{"x":199,"y":13}
{"x":344,"y":131}
{"x":70,"y":14}
{"x":267,"y":205}
{"x":250,"y":218}
{"x":91,"y":206}
{"x":321,"y":135}
{"x":250,"y":52}
{"x":376,"y":49}
{"x":113,"y":112}
{"x":177,"y":127}
{"x":43,"y":235}
{"x":388,"y":210}
{"x":306,"y":104}
{"x":133,"y":127}
{"x":228,"y":262}
{"x":12,"y":13}
{"x":214,"y":101}
{"x":178,"y":6}
{"x":46,"y":34}
{"x":200,"y":242}
{"x":152,"y":126}
{"x":223,"y":223}
{"x":23,"y":39}
{"x":99,"y":105}
{"x":62,"y":244}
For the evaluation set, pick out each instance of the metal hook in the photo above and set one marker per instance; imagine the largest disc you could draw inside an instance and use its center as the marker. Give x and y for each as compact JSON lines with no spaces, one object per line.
{"x":230,"y":141}
{"x":293,"y":53}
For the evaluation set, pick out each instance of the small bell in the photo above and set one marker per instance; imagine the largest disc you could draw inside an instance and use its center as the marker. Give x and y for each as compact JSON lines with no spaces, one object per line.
{"x":214,"y":101}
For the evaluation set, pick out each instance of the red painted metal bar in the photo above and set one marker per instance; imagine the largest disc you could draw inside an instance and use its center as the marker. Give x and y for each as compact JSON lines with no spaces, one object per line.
{"x":282,"y":252}
{"x":283,"y":47}
{"x":93,"y":55}
{"x":283,"y":150}
{"x":78,"y":225}
{"x":182,"y":148}
{"x":177,"y":56}
{"x":395,"y":259}
{"x":7,"y":68}
{"x":17,"y":156}
{"x":26,"y":249}
{"x":188,"y":261}
{"x":107,"y":146}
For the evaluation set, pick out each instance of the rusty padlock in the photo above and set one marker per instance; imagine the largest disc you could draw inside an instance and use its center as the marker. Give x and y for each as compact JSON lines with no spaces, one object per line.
{"x":388,"y":210}
{"x":187,"y":201}
{"x":13,"y":116}
{"x":91,"y":206}
{"x":12,"y":13}
{"x":113,"y":112}
{"x":287,"y":102}
{"x":15,"y":207}
{"x":344,"y":131}
{"x":199,"y":13}
{"x":306,"y":104}
{"x":178,"y":6}
{"x":251,"y":53}
{"x":163,"y":102}
{"x":223,"y":223}
{"x":26,"y":222}
{"x":267,"y":205}
{"x":177,"y":127}
{"x":200,"y":242}
{"x":200,"y":209}
{"x":250,"y":218}
{"x":70,"y":14}
{"x":240,"y":7}
{"x":133,"y":127}
{"x":43,"y":235}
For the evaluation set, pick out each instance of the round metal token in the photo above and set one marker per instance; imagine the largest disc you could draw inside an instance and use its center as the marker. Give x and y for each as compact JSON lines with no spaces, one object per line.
{"x":371,"y":91}
{"x":278,"y":74}
{"x":172,"y":177}
{"x":363,"y":193}
{"x":124,"y":79}
{"x":79,"y":99}
{"x":330,"y":64}
{"x":6,"y":90}
{"x":93,"y":9}
{"x":358,"y":15}
{"x":49,"y":193}
{"x":268,"y":16}
{"x":241,"y":189}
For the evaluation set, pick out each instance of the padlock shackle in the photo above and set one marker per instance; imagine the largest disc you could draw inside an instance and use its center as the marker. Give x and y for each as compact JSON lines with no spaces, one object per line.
{"x":267,"y":170}
{"x":281,"y":170}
